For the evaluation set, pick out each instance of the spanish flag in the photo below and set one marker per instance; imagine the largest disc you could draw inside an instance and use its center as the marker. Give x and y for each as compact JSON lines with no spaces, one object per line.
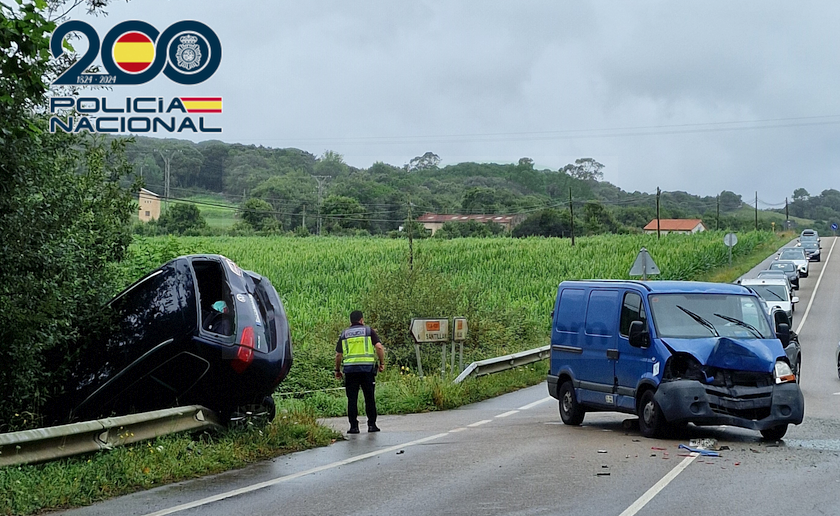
{"x":134,"y":52}
{"x":202,"y":104}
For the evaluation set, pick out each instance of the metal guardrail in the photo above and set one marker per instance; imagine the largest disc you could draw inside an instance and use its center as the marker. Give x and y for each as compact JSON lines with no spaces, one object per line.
{"x":55,"y":442}
{"x":494,"y":365}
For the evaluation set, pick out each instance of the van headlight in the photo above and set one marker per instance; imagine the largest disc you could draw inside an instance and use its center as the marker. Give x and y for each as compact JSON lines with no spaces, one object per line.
{"x":783,"y":373}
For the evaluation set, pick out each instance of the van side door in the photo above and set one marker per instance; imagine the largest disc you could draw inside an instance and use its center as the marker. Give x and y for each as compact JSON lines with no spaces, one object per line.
{"x":633,"y":362}
{"x":600,"y":351}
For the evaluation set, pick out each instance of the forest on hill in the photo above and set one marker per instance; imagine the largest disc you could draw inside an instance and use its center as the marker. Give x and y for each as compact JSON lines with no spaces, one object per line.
{"x":285,"y":190}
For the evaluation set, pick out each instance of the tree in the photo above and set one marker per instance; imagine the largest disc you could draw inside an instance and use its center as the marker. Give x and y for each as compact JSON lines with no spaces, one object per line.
{"x":259,"y":215}
{"x":427,"y":161}
{"x":729,"y":201}
{"x":800,"y":194}
{"x":598,"y":219}
{"x":343,"y":212}
{"x":182,"y":218}
{"x":586,"y":169}
{"x":547,"y":223}
{"x":64,"y":222}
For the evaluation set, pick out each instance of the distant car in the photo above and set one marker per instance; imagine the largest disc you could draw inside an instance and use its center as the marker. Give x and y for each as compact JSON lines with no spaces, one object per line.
{"x":198,"y":330}
{"x":776,"y":275}
{"x":812,"y":250}
{"x":775,"y":292}
{"x":808,"y":234}
{"x":789,"y":268}
{"x":797,"y":256}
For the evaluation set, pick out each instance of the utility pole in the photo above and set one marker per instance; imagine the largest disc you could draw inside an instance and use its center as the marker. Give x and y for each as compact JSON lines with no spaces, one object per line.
{"x":717,"y":222}
{"x":410,"y":237}
{"x":756,"y":210}
{"x":304,"y":216}
{"x":787,"y":216}
{"x":321,"y":181}
{"x":657,"y":212}
{"x":166,"y":161}
{"x":572,"y":215}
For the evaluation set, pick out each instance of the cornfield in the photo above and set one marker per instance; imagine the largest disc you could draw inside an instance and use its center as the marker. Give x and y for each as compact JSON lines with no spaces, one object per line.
{"x":321,"y":279}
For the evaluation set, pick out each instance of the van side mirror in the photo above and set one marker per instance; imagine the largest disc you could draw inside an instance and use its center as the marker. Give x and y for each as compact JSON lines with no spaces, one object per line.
{"x":794,"y":300}
{"x":783,"y":332}
{"x":638,"y":335}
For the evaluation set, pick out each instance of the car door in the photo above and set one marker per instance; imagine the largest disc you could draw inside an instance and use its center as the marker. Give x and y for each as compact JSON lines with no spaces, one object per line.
{"x":633,"y":363}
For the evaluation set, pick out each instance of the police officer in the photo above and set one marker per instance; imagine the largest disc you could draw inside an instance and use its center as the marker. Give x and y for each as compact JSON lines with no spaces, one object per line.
{"x":357,"y":350}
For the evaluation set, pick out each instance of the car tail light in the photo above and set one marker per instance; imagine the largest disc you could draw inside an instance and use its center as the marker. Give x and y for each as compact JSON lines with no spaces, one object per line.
{"x":245,"y":352}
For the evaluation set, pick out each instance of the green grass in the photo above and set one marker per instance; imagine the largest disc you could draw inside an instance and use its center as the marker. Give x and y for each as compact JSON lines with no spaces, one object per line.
{"x":221,"y":216}
{"x":83,"y":480}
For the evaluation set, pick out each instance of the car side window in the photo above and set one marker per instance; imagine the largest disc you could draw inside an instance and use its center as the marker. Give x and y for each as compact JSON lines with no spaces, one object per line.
{"x":631,"y":310}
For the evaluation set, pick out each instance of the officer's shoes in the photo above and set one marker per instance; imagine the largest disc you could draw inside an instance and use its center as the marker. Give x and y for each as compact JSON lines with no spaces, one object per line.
{"x":373,"y":428}
{"x":354,"y":429}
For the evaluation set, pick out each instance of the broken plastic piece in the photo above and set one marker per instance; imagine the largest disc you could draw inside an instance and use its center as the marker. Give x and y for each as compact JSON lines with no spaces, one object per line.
{"x":701,"y":451}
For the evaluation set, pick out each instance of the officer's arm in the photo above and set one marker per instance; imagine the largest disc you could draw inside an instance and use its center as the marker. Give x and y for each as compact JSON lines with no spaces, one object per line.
{"x":380,"y":352}
{"x":338,"y":359}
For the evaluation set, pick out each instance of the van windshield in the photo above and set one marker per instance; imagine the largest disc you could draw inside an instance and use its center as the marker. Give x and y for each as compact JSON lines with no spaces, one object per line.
{"x":731,"y":315}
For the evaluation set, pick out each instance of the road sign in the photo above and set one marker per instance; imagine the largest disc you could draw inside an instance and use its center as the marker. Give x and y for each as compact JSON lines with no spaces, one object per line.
{"x":834,"y":226}
{"x":643,"y":265}
{"x":430,"y":330}
{"x":730,"y":239}
{"x":460,"y":331}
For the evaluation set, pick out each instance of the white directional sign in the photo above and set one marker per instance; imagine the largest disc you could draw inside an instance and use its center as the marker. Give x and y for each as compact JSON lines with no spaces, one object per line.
{"x":430,"y":330}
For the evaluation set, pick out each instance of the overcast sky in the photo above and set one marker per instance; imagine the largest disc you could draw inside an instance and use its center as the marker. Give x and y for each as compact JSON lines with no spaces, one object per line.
{"x":697,"y":96}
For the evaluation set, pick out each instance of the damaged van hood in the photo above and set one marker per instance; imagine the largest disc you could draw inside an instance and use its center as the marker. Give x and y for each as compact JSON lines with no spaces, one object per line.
{"x":758,"y":355}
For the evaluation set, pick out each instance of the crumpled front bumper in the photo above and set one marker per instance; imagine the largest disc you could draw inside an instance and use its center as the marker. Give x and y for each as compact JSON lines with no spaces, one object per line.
{"x":756,"y":408}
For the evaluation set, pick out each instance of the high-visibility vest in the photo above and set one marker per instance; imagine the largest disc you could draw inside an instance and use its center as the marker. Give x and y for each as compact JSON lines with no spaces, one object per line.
{"x":357,"y":346}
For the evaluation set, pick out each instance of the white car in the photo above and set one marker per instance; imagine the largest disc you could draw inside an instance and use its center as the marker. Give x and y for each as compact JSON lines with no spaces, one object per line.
{"x":797,"y":256}
{"x":775,"y":292}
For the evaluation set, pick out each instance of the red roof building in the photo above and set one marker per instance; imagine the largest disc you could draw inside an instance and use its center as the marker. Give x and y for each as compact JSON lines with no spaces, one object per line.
{"x":684,"y":226}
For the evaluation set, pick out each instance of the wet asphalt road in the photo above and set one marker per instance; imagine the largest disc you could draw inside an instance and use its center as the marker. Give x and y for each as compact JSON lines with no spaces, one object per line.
{"x":511,"y":455}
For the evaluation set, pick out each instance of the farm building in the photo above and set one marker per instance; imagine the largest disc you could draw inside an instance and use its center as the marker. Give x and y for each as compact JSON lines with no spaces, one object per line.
{"x":683,"y":226}
{"x":149,"y":205}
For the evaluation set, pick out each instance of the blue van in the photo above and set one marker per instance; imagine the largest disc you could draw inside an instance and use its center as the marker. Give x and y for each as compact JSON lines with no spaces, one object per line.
{"x":672,"y":352}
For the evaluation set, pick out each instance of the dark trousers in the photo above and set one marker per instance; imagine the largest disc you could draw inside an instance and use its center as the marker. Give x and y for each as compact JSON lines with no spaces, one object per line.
{"x":352,"y":383}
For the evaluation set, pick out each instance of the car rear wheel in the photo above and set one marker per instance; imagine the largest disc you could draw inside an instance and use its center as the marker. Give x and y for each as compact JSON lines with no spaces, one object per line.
{"x":652,"y":421}
{"x":570,"y":411}
{"x":775,"y":433}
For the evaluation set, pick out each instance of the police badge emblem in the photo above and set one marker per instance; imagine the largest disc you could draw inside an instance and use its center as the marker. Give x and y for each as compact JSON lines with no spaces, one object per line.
{"x":188,"y":54}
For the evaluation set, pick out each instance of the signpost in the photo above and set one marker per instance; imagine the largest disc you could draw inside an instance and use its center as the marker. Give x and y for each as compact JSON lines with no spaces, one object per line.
{"x":834,"y":228}
{"x":459,"y":334}
{"x":643,"y":265}
{"x":430,"y":330}
{"x":730,"y":240}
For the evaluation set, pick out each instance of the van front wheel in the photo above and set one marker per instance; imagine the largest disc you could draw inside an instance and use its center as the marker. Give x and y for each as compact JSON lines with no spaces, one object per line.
{"x":570,"y":411}
{"x":651,"y":419}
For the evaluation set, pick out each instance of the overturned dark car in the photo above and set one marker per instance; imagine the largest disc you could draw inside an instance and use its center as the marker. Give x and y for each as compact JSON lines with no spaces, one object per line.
{"x":198,"y":330}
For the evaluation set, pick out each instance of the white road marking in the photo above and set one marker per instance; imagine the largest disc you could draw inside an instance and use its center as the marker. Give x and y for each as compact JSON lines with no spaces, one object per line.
{"x":456,"y":430}
{"x":836,"y":394}
{"x":479,"y":423}
{"x":816,"y":286}
{"x":279,"y":480}
{"x":508,"y":413}
{"x":659,"y":486}
{"x":534,"y":404}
